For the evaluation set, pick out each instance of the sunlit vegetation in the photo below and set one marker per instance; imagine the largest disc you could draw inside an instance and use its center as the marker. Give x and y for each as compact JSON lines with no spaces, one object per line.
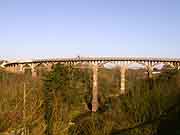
{"x":59,"y":103}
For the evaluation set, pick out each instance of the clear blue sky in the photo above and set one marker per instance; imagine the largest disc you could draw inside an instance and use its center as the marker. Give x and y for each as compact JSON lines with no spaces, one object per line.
{"x":55,"y":28}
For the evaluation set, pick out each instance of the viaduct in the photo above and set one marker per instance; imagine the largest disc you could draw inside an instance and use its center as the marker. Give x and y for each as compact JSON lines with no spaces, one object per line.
{"x":149,"y":63}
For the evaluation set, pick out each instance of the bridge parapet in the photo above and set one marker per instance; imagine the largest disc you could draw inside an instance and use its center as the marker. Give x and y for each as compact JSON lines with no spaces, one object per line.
{"x":99,"y":59}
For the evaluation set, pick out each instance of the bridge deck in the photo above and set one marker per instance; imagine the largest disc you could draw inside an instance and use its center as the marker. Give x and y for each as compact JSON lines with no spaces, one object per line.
{"x":98,"y":59}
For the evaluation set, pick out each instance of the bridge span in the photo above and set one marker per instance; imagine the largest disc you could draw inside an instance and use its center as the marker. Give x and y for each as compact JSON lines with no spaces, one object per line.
{"x":149,"y":63}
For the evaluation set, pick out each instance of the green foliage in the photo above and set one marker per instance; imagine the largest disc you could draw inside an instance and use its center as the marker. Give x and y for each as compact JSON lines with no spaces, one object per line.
{"x":144,"y":105}
{"x":91,"y":124}
{"x":64,"y":93}
{"x":12,"y":103}
{"x":59,"y":104}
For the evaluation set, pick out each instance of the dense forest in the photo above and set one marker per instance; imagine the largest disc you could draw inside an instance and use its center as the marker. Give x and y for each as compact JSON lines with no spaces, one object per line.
{"x":59,"y":102}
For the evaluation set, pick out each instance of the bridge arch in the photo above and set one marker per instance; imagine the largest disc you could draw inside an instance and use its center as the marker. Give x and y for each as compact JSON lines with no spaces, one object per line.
{"x":143,"y":65}
{"x":27,"y":69}
{"x":40,"y":69}
{"x":164,"y":64}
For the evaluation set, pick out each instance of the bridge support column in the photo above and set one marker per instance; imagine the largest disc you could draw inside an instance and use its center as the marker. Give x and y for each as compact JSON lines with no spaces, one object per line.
{"x":7,"y":69}
{"x":11,"y":69}
{"x":150,"y":75}
{"x":178,"y":67}
{"x":33,"y":71}
{"x":49,"y":66}
{"x":16,"y":68}
{"x":123,"y":78}
{"x":149,"y":71}
{"x":95,"y":103}
{"x":21,"y":68}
